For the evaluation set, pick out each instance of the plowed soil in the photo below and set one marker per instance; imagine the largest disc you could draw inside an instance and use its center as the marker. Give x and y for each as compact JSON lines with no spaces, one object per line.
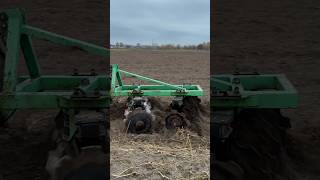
{"x":277,"y":37}
{"x":26,"y":139}
{"x":164,"y":154}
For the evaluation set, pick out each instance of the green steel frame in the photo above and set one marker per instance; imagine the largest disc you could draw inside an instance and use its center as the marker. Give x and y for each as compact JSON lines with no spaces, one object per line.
{"x":96,"y":91}
{"x":46,"y":91}
{"x":78,"y":91}
{"x":66,"y":91}
{"x":252,"y":91}
{"x":160,"y":88}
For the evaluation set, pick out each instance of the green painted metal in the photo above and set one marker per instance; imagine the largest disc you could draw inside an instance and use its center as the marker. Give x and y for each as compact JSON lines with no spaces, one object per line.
{"x":252,"y":91}
{"x":13,"y":47}
{"x":38,"y":91}
{"x":160,"y":88}
{"x":65,"y":41}
{"x":47,"y":91}
{"x":67,"y":92}
{"x":58,"y":91}
{"x":30,"y":56}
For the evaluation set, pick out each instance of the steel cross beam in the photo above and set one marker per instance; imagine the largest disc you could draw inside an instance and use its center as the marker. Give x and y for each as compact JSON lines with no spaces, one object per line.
{"x":161,"y":88}
{"x":252,"y":91}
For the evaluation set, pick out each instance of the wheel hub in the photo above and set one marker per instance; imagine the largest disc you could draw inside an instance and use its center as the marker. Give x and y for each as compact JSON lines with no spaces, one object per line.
{"x":140,"y":125}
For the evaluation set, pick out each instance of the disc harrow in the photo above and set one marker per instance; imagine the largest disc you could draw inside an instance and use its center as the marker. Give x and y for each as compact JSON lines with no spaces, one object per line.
{"x":247,"y":125}
{"x":82,"y":98}
{"x":139,"y":116}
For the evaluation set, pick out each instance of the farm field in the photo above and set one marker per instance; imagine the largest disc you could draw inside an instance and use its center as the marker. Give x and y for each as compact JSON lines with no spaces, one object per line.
{"x":26,"y":139}
{"x":164,"y":154}
{"x":277,"y":37}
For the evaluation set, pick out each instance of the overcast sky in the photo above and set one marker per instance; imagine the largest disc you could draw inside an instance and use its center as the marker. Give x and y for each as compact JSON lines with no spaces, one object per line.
{"x":160,"y":21}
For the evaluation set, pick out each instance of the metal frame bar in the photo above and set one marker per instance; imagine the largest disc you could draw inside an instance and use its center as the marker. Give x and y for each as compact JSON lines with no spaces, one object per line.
{"x":253,"y":91}
{"x":47,"y":91}
{"x":245,"y":91}
{"x":57,"y":91}
{"x":63,"y":40}
{"x":161,"y":88}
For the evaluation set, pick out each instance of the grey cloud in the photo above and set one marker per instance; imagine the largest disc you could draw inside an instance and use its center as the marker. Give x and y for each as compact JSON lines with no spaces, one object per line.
{"x":161,"y":21}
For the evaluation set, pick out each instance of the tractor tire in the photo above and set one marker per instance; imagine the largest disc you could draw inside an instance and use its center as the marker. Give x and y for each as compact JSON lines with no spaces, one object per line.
{"x":67,"y":161}
{"x":227,"y":171}
{"x":89,"y":164}
{"x":87,"y":172}
{"x":258,"y":145}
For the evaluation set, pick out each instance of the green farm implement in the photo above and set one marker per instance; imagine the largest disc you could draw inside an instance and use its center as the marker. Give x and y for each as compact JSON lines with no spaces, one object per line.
{"x":234,"y":98}
{"x":138,"y":115}
{"x":241,"y":103}
{"x":72,"y":94}
{"x":252,"y":91}
{"x":77,"y":95}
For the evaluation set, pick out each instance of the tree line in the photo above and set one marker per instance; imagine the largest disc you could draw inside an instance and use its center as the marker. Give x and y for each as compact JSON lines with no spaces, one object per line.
{"x":201,"y":46}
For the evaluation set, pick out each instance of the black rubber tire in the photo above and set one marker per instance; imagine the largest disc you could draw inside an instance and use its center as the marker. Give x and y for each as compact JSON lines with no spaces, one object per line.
{"x":227,"y":171}
{"x":146,"y":118}
{"x":88,"y":171}
{"x":258,"y":144}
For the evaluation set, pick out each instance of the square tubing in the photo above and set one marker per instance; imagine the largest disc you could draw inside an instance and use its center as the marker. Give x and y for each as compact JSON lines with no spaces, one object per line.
{"x":12,"y":54}
{"x":30,"y":56}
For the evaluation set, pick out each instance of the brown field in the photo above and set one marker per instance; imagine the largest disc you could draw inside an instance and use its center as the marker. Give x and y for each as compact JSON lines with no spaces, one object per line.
{"x":277,"y":37}
{"x":163,"y":155}
{"x":26,"y":139}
